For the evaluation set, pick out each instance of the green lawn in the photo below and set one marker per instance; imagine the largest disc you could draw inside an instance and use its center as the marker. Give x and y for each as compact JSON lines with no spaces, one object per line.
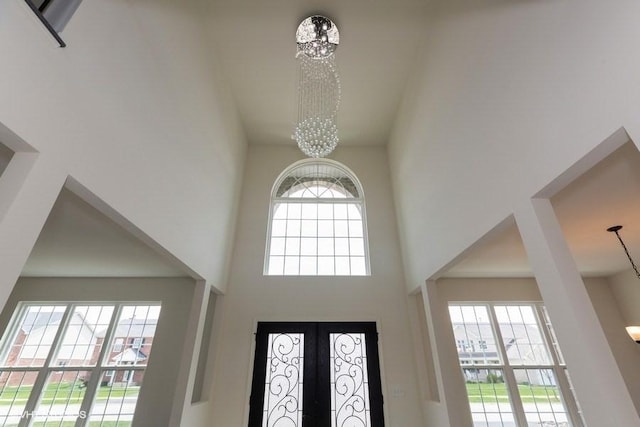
{"x":73,"y":423}
{"x":64,"y":393}
{"x":92,"y":424}
{"x":497,"y":393}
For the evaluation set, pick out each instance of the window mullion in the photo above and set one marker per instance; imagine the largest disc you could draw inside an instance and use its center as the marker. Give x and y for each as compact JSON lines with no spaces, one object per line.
{"x":510,"y":379}
{"x":41,"y":379}
{"x":94,"y":380}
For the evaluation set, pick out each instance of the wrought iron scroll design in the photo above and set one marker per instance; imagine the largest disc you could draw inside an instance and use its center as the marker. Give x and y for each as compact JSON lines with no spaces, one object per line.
{"x":349,"y":382}
{"x":283,"y":390}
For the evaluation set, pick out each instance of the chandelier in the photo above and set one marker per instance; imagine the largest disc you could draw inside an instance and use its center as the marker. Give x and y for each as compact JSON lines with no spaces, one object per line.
{"x":316,"y":130}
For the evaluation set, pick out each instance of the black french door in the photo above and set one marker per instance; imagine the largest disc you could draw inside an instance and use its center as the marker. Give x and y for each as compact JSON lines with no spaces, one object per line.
{"x":316,"y":374}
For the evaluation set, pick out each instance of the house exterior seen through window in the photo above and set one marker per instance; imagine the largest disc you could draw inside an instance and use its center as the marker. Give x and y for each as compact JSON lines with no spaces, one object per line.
{"x":512,"y":367}
{"x":317,"y":222}
{"x":75,"y":363}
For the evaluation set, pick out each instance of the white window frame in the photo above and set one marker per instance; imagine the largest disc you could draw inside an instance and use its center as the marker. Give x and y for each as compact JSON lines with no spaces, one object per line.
{"x":276,"y":200}
{"x":558,"y":367}
{"x":95,"y":373}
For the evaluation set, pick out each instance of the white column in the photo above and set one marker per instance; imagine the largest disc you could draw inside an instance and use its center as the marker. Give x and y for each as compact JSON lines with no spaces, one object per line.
{"x":452,"y":390}
{"x":598,"y":383}
{"x":28,"y":189}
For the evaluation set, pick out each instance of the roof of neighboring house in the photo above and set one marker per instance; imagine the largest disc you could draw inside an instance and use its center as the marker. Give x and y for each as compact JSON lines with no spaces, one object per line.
{"x":39,"y":319}
{"x":129,"y":355}
{"x":132,"y":328}
{"x":35,"y":320}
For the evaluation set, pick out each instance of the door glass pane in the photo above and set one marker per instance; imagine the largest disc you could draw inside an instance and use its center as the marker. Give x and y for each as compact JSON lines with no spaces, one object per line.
{"x":83,"y":336}
{"x":541,"y":398}
{"x":349,"y":380}
{"x":61,"y":398}
{"x":34,"y":335}
{"x":521,"y":334}
{"x":283,"y":382}
{"x":15,"y":388}
{"x":475,"y":340}
{"x":488,"y":398}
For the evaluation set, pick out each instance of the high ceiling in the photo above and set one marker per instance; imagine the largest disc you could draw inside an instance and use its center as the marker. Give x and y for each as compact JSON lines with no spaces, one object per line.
{"x":255,"y":42}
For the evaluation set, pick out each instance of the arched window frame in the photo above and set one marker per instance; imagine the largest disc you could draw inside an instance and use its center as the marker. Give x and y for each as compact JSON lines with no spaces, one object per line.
{"x":356,"y":199}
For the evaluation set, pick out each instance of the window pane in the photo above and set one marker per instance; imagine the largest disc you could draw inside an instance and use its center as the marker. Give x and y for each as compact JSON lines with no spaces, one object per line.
{"x":326,"y":266}
{"x":475,"y":340}
{"x":292,"y":246}
{"x":541,"y":397}
{"x":291,"y":265}
{"x":61,"y":398}
{"x":294,"y":210}
{"x":523,"y":341}
{"x":325,"y":228}
{"x":280,"y":210}
{"x":488,"y":398}
{"x":136,"y":328}
{"x":83,"y":337}
{"x":308,"y":246}
{"x":308,"y":265}
{"x":341,"y":228}
{"x":310,"y":211}
{"x":309,"y":228}
{"x":276,"y":265}
{"x":293,"y":228}
{"x":349,"y":380}
{"x":278,"y":228}
{"x":353,"y":211}
{"x":356,"y":246}
{"x":340,"y":211}
{"x":325,"y":211}
{"x":342,"y":246}
{"x":283,"y":382}
{"x":277,"y":246}
{"x":116,"y":398}
{"x":15,"y":388}
{"x":34,"y":335}
{"x":325,"y":246}
{"x":343,"y":267}
{"x":358,"y":266}
{"x":355,"y":228}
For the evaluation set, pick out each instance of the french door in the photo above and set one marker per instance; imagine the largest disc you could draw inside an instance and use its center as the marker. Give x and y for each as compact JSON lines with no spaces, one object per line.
{"x":312,"y":374}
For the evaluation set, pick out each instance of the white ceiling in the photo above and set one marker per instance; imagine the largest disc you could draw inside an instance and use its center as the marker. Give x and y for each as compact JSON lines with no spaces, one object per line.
{"x":604,"y":196}
{"x":255,"y":42}
{"x":79,"y":241}
{"x":5,"y":157}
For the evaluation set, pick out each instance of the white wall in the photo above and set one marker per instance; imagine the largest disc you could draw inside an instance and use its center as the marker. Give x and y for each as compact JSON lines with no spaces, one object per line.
{"x":509,"y":95}
{"x":605,"y":294}
{"x":137,"y":102}
{"x":253,"y":297}
{"x":163,"y":386}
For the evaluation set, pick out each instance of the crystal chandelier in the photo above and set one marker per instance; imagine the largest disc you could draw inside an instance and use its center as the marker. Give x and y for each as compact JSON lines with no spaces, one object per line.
{"x":316,"y":130}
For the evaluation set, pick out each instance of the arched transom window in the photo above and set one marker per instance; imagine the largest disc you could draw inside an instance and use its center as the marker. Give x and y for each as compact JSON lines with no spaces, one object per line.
{"x":317,"y":222}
